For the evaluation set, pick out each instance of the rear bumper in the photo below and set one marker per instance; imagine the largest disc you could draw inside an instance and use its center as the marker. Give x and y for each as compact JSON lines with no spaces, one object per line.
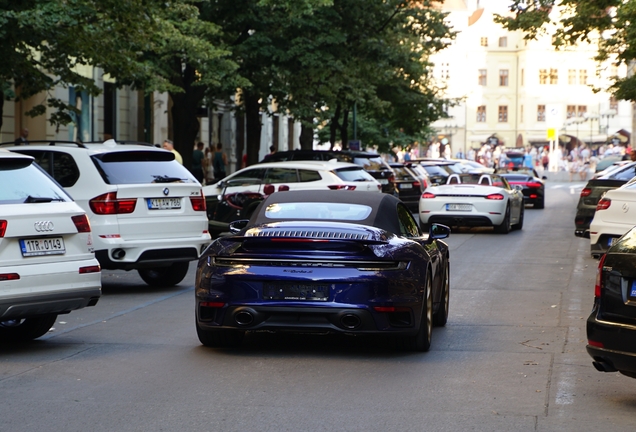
{"x":615,"y":338}
{"x":461,"y":220}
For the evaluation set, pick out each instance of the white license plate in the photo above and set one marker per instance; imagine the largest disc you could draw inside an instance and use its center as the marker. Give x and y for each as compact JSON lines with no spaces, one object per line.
{"x":164,"y":203}
{"x":612,"y":241}
{"x":459,"y":207}
{"x":406,"y":186}
{"x":383,"y":181}
{"x":42,"y":246}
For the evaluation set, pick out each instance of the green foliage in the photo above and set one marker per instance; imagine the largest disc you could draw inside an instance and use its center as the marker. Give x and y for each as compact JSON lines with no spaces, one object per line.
{"x":607,"y":23}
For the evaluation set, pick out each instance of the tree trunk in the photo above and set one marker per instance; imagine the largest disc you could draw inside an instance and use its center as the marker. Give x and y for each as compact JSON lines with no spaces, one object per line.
{"x":185,"y":123}
{"x":344,"y":130}
{"x":252,"y":126}
{"x":2,"y":109}
{"x":333,"y":127}
{"x":307,"y":134}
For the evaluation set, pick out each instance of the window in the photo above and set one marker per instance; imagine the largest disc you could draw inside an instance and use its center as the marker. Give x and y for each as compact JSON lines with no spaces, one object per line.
{"x":540,"y":113}
{"x":571,"y":76}
{"x":281,"y":175}
{"x":484,"y":41}
{"x":583,"y":76}
{"x":582,"y":110}
{"x":482,"y":77}
{"x":21,"y":180}
{"x":61,"y":166}
{"x":408,"y":226}
{"x":503,"y":114}
{"x":503,"y":77}
{"x":318,"y":210}
{"x":481,"y":114}
{"x":444,"y":71}
{"x":554,"y":76}
{"x":503,"y":42}
{"x":543,"y":76}
{"x":613,"y":103}
{"x":571,"y":111}
{"x":353,"y":174}
{"x":309,"y":175}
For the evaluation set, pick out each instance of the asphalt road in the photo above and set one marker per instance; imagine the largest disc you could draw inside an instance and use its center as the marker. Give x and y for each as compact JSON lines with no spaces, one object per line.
{"x":511,"y":358}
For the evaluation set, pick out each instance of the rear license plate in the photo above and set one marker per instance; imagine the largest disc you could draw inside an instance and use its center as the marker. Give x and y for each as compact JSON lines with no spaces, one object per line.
{"x":164,"y":203}
{"x":406,"y":186}
{"x":612,"y":241}
{"x":42,"y":246}
{"x":459,"y":207}
{"x":296,"y":291}
{"x":383,"y":181}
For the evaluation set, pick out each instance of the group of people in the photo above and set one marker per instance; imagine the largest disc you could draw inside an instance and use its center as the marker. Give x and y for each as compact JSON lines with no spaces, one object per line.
{"x":208,"y":166}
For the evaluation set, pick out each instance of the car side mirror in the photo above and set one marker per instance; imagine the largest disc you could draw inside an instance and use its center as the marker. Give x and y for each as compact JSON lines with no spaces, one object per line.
{"x":438,"y":231}
{"x":238,"y":225}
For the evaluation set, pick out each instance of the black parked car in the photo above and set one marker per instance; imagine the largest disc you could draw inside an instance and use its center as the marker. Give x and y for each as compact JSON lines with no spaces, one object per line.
{"x":592,"y":193}
{"x":409,"y":187}
{"x":532,"y":185}
{"x":611,"y":327}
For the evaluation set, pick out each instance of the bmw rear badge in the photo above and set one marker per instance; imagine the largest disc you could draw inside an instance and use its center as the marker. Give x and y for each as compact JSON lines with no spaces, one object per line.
{"x":166,"y":191}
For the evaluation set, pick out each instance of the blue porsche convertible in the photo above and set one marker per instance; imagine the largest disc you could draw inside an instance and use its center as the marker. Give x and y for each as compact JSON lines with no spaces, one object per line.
{"x":325,"y":261}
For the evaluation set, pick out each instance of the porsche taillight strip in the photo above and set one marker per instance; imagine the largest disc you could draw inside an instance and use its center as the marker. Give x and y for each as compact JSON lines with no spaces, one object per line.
{"x":461,"y":195}
{"x":360,"y":264}
{"x":336,"y":235}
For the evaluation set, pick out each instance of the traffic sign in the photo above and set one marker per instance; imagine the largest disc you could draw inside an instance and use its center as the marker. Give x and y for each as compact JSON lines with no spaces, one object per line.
{"x":551,"y":134}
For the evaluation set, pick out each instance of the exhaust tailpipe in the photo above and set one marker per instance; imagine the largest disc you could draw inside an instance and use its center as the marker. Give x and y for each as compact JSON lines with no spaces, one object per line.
{"x":244,"y":318}
{"x":350,"y":321}
{"x":119,"y":254}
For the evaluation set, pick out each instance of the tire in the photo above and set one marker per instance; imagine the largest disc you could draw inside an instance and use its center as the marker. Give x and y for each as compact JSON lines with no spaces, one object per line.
{"x":540,"y":204}
{"x":165,"y":276}
{"x":24,"y":330}
{"x":422,"y":340}
{"x":441,"y":316}
{"x":519,"y":225}
{"x":220,"y":338}
{"x":504,"y":228}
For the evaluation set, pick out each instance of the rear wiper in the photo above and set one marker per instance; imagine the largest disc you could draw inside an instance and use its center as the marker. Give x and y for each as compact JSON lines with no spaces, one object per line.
{"x":32,"y":199}
{"x":166,"y":179}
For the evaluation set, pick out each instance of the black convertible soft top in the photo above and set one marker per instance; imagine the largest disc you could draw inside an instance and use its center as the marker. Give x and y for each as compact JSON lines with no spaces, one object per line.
{"x":383,"y":214}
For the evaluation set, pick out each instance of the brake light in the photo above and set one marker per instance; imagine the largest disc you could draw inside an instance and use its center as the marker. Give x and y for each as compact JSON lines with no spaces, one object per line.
{"x":595,"y":344}
{"x":109,"y":204}
{"x":533,"y":196}
{"x":9,"y":276}
{"x":496,"y":197}
{"x":212,"y":304}
{"x":90,"y":269}
{"x":342,"y":187}
{"x":599,"y":277}
{"x":198,"y":202}
{"x":586,"y":192}
{"x":603,"y":204}
{"x":388,"y":309}
{"x":534,"y":185}
{"x":81,"y":223}
{"x":427,"y":195}
{"x":416,"y":184}
{"x":424,"y":184}
{"x":391,"y":179}
{"x":3,"y":227}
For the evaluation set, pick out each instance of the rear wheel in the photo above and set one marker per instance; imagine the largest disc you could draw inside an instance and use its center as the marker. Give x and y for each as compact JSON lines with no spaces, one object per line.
{"x":220,"y":338}
{"x":422,"y":340}
{"x":504,"y":228}
{"x":165,"y":276}
{"x":441,"y":316}
{"x":24,"y":330}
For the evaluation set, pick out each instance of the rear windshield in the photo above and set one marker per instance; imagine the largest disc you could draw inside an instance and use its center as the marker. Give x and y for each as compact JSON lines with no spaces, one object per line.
{"x":401,"y":173}
{"x":435,"y":170}
{"x":370,"y":164}
{"x":141,"y":167}
{"x":23,"y":181}
{"x":626,"y":244}
{"x":353,"y":175}
{"x":318,"y":210}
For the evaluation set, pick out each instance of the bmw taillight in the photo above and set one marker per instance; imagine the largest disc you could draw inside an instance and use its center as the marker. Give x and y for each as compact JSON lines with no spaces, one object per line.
{"x":603,"y":204}
{"x":81,"y":223}
{"x":599,"y":277}
{"x":198,"y":202}
{"x":427,"y":195}
{"x":90,"y":269}
{"x":586,"y":192}
{"x":108,"y":204}
{"x":496,"y":197}
{"x":342,"y":187}
{"x":3,"y":227}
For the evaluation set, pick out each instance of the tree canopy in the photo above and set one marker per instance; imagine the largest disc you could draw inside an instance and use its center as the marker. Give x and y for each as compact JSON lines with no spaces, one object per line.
{"x":607,"y":23}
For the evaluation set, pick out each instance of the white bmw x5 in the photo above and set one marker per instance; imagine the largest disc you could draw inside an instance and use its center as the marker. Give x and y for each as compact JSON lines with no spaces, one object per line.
{"x":147,"y":211}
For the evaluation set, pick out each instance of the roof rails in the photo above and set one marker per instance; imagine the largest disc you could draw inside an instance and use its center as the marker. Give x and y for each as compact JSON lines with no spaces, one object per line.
{"x":39,"y":142}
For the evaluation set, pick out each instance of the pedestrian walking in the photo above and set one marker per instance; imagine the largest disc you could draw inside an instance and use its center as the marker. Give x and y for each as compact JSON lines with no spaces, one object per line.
{"x":219,"y":162}
{"x":169,"y":145}
{"x":23,"y":139}
{"x":197,"y":162}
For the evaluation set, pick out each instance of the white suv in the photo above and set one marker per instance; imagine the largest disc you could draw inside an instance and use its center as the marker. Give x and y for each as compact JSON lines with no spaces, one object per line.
{"x":146,"y":210}
{"x":47,"y":265}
